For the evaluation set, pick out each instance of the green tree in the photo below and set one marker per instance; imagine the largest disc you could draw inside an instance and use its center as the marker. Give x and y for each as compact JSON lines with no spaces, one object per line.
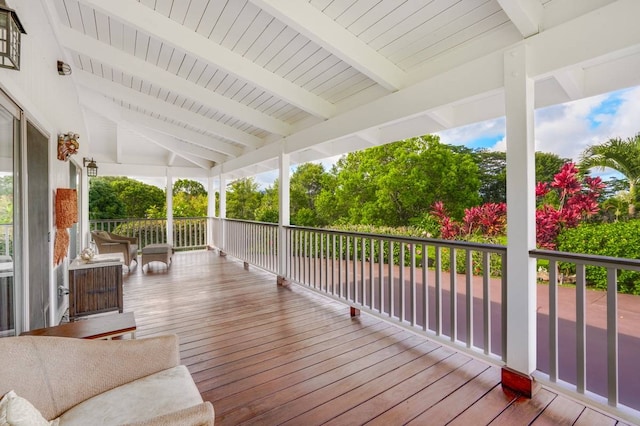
{"x":548,"y":165}
{"x":396,"y":184}
{"x":136,"y":196}
{"x":620,"y":155}
{"x":190,"y":199}
{"x":306,"y":184}
{"x":243,"y":199}
{"x":104,"y":202}
{"x":269,"y":206}
{"x":492,"y":172}
{"x":189,"y":187}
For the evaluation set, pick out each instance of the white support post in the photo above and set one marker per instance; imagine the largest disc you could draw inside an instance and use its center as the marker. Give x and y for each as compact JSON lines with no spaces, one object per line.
{"x":223,"y":213}
{"x":211,"y":211}
{"x":284,"y":216}
{"x":521,"y":233}
{"x":169,"y":207}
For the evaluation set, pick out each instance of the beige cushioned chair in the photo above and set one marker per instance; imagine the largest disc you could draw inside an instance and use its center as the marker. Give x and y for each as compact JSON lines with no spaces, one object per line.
{"x":103,"y":382}
{"x":107,"y":242}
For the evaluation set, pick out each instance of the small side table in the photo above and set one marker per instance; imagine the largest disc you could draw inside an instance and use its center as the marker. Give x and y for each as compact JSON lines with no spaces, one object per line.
{"x":95,"y":286}
{"x":101,"y":327}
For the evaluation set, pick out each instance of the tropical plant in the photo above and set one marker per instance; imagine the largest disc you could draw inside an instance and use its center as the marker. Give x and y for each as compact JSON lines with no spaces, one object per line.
{"x":489,"y":220}
{"x":564,"y":203}
{"x":620,"y":155}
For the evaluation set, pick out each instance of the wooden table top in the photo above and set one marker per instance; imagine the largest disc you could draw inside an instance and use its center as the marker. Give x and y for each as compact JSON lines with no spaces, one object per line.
{"x":90,"y":328}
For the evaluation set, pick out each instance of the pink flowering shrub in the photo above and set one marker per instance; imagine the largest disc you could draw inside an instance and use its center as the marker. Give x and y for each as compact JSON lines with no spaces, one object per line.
{"x":563,"y":204}
{"x":577,"y":199}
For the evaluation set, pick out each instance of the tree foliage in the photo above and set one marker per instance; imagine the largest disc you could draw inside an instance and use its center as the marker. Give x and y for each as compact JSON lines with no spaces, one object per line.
{"x":136,"y":196}
{"x":243,"y":199}
{"x":104,"y":202}
{"x":395,"y":184}
{"x":123,"y":197}
{"x":305,"y":187}
{"x":620,"y":155}
{"x":188,"y":187}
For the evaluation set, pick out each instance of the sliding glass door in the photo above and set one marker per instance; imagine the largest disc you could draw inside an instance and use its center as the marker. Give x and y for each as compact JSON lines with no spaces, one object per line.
{"x":9,"y":293}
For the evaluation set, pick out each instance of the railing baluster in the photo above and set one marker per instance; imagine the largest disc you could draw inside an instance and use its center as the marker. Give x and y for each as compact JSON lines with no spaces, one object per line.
{"x":581,"y":329}
{"x":412,"y":279}
{"x":612,"y":337}
{"x":469,"y":301}
{"x":553,"y":320}
{"x":363,"y":254}
{"x":453,"y":294}
{"x":401,"y":284}
{"x":391,"y":283}
{"x":371,"y":273}
{"x":381,"y":297}
{"x":354,"y":265}
{"x":425,"y":287}
{"x":438,"y":284}
{"x":486,"y":301}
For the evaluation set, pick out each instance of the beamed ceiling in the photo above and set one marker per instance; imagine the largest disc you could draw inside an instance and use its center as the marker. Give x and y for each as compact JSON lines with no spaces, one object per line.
{"x":203,"y":86}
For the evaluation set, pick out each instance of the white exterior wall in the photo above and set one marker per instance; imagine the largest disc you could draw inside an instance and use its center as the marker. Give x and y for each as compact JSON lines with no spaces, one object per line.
{"x":50,"y":101}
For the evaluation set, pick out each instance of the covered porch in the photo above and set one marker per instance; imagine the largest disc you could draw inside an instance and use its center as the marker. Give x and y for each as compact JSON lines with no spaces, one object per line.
{"x":221,"y":90}
{"x":269,"y":354}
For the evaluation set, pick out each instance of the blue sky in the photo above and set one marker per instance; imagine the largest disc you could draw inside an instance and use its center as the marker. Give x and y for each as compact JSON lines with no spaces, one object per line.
{"x":566,"y":129}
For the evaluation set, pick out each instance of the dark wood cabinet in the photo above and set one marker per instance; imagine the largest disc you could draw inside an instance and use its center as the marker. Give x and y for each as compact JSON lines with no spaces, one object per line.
{"x":95,"y":287}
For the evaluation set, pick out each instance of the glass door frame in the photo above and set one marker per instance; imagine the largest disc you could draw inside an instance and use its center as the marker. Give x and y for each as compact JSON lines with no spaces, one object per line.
{"x":20,"y":299}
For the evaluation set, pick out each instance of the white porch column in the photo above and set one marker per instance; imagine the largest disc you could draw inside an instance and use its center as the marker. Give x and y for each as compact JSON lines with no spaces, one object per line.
{"x":211,"y":211}
{"x":285,"y":215}
{"x":169,"y":207}
{"x":223,"y":213}
{"x":521,"y":232}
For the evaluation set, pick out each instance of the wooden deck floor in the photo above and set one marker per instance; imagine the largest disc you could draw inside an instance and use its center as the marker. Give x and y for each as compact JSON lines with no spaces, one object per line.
{"x":264,"y":354}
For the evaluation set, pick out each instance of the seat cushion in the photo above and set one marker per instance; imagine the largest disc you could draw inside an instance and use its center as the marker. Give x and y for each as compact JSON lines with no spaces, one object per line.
{"x":158,"y":394}
{"x":156,"y":249}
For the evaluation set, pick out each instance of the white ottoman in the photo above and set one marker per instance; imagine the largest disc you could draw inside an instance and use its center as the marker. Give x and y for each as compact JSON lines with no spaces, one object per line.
{"x":158,"y":253}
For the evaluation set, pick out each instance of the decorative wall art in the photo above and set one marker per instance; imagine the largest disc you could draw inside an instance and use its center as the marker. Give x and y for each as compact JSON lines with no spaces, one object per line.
{"x":66,"y":216}
{"x":67,"y":145}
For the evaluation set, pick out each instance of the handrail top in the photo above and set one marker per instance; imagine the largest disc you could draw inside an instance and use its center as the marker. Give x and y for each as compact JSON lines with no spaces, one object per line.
{"x":431,"y":241}
{"x":597,"y":259}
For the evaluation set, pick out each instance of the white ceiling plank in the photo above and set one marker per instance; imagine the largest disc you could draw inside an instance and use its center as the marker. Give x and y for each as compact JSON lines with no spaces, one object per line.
{"x":134,"y":97}
{"x":120,"y":115}
{"x":116,"y":58}
{"x":526,"y":15}
{"x":154,"y":24}
{"x":325,"y":32}
{"x":178,"y":147}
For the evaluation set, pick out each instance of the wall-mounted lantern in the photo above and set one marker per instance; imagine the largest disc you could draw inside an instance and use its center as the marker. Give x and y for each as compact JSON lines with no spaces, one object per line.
{"x":10,"y":33}
{"x":91,"y":166}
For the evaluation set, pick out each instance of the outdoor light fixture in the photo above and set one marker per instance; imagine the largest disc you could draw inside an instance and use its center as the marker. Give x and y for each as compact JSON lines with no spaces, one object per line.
{"x":92,"y":167}
{"x":63,"y":69}
{"x":10,"y":30}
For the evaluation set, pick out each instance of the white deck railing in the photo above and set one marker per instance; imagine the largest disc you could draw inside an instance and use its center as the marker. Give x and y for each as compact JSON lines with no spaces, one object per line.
{"x":356,"y":268}
{"x":464,"y":309}
{"x":590,"y":324}
{"x":188,"y":233}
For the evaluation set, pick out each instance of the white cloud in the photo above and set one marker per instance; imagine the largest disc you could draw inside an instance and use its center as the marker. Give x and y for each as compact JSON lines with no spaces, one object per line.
{"x":567,"y":129}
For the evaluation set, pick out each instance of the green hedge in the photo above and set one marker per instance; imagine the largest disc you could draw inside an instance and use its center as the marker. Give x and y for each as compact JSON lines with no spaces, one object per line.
{"x":619,"y":239}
